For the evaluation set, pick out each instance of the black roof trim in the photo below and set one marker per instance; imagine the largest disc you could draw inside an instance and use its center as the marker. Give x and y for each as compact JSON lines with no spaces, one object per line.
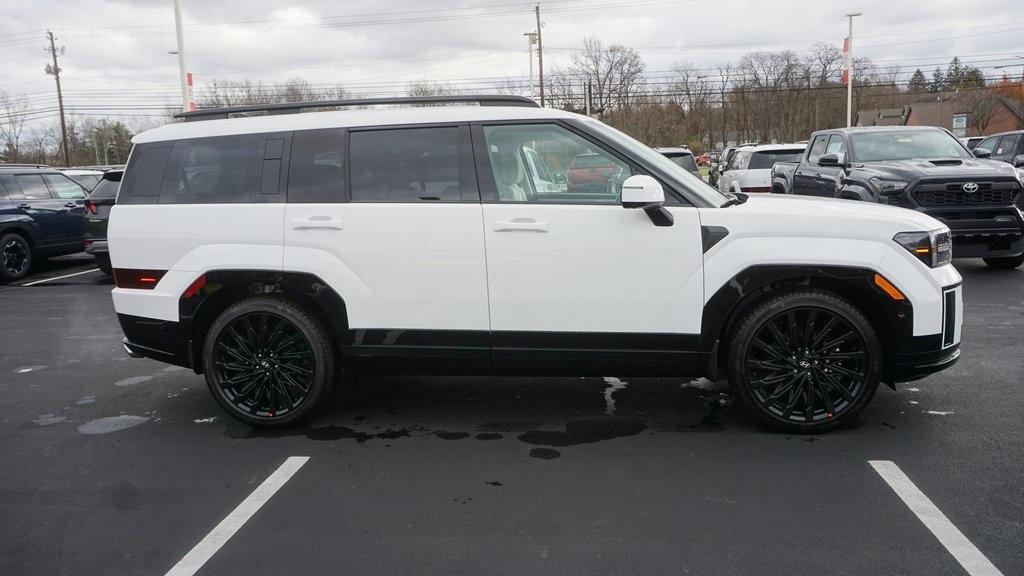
{"x":296,"y":107}
{"x":16,"y":165}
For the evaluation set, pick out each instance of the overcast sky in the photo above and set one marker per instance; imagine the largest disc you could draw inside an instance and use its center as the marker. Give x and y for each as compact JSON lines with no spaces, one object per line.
{"x":116,"y":51}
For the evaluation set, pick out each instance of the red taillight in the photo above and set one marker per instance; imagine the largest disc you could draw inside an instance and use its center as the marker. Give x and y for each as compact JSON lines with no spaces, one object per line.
{"x":195,"y":287}
{"x":138,"y":279}
{"x":90,"y":207}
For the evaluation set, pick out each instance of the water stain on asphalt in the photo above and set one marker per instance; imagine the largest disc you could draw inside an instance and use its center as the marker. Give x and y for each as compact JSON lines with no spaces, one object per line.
{"x":614,"y":385}
{"x":545,"y":453}
{"x":133,"y":381}
{"x":509,"y":425}
{"x":444,"y":435}
{"x":494,"y":483}
{"x":489,"y":436}
{"x":584,"y":432}
{"x":27,"y":369}
{"x":48,"y":420}
{"x":111,"y":424}
{"x":85,"y":400}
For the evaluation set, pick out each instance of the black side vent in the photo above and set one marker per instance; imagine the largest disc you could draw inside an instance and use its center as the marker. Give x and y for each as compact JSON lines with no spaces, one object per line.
{"x":946,"y":162}
{"x":949,"y":318}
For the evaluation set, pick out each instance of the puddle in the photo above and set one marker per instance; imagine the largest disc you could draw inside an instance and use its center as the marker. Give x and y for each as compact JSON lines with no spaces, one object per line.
{"x":451,"y":435}
{"x":545,"y":453}
{"x":111,"y":424}
{"x":48,"y":420}
{"x":584,"y":432}
{"x":133,"y":381}
{"x":489,"y":436}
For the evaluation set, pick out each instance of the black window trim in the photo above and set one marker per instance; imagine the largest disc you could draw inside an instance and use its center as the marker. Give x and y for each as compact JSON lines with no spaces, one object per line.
{"x":485,"y":174}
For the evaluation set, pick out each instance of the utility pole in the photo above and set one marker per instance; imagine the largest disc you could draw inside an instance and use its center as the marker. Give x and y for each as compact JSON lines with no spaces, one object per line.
{"x":540,"y":54}
{"x":849,"y":71}
{"x":531,"y":39}
{"x":180,"y":34}
{"x":54,"y":69}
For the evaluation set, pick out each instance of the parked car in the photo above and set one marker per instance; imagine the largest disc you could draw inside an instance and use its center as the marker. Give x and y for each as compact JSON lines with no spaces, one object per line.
{"x":368,"y":254}
{"x":751,"y":167}
{"x":1006,"y":147}
{"x":683,"y":157}
{"x":716,"y":169}
{"x":971,"y":142}
{"x":97,"y":212}
{"x":40,"y":216}
{"x":925,"y":169}
{"x":86,"y":178}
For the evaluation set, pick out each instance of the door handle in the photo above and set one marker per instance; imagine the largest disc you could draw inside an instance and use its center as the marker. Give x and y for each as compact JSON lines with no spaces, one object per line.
{"x":527,"y":224}
{"x":317,"y":223}
{"x":24,"y":206}
{"x":70,"y":205}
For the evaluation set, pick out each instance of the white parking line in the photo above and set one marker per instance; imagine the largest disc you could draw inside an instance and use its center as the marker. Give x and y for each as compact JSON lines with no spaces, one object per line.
{"x":973,"y":561}
{"x":196,"y":557}
{"x":60,"y":277}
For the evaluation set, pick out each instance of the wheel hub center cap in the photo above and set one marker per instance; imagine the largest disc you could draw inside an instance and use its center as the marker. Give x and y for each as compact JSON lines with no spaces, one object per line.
{"x":264,"y":364}
{"x":805,"y":364}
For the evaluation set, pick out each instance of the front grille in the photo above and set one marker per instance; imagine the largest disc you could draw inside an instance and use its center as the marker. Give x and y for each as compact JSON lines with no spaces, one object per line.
{"x":951,"y":193}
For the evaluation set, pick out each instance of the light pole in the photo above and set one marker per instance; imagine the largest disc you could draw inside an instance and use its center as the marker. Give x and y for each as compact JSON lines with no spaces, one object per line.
{"x":181,"y":55}
{"x":531,"y":39}
{"x":849,"y":71}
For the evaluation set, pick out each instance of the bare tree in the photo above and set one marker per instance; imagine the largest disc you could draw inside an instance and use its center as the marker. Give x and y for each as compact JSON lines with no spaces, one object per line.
{"x":13,"y":112}
{"x":980,"y":105}
{"x":616,"y":73}
{"x":428,"y":88}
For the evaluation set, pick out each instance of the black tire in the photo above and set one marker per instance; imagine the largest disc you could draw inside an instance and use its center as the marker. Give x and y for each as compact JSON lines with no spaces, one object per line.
{"x":245,"y":366}
{"x":1005,"y":263}
{"x":15,"y":257}
{"x":103,"y":263}
{"x":805,"y":361}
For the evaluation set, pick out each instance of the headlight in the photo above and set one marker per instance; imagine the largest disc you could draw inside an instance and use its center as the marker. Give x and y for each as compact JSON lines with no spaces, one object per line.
{"x":934,"y":248}
{"x":888,"y":187}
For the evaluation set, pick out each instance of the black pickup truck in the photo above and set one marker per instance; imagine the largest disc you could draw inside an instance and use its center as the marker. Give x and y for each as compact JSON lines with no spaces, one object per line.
{"x":921,"y":168}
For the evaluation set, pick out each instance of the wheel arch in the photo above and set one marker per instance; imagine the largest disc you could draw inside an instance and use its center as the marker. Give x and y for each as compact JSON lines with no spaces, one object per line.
{"x":218,"y":289}
{"x":21,"y":228}
{"x":730,"y":303}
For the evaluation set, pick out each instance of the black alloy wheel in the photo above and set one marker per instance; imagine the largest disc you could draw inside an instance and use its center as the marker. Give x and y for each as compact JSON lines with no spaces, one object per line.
{"x":17,"y":256}
{"x":807,"y":361}
{"x":268,"y":361}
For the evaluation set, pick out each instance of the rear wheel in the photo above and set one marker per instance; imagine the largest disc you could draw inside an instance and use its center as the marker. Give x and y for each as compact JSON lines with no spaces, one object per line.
{"x":17,"y":256}
{"x":805,"y":361}
{"x":1005,"y":263}
{"x":268,"y":361}
{"x":103,"y":263}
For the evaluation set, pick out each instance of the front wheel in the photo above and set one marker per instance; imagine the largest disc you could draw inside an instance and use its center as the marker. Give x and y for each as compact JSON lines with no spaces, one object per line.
{"x":268,"y":361}
{"x":1005,"y":263}
{"x":805,"y":361}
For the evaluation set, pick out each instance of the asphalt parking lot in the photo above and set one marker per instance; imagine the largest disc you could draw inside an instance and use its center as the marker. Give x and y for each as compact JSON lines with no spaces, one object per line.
{"x":120,"y":466}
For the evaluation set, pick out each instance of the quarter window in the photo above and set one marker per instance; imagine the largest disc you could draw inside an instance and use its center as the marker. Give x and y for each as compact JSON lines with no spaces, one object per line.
{"x":33,"y":187}
{"x":317,"y":172}
{"x":410,"y":165}
{"x":64,"y":187}
{"x":549,"y":164}
{"x":209,"y":171}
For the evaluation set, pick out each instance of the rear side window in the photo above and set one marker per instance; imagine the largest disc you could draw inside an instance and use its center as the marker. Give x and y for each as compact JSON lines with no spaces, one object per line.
{"x":105,"y":189}
{"x":33,"y":187}
{"x":209,"y":171}
{"x":65,"y":188}
{"x":411,"y":165}
{"x":768,"y":158}
{"x":317,"y":170}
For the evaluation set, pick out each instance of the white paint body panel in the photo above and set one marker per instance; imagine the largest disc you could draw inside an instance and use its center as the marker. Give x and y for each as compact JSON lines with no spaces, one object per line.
{"x":593,"y":269}
{"x":414,"y":266}
{"x":780,"y":229}
{"x":740,"y":180}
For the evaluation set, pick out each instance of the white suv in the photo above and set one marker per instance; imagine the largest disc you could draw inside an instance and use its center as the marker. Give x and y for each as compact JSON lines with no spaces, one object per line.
{"x":272,"y":252}
{"x":750,"y":169}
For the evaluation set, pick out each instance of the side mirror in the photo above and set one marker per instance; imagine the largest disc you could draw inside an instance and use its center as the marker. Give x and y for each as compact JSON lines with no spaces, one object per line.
{"x":642,"y":191}
{"x":1018,"y":161}
{"x":828,"y":160}
{"x":982,"y":153}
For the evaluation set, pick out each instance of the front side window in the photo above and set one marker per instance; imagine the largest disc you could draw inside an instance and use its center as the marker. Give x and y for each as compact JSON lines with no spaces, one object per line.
{"x":817,"y":148}
{"x":836,"y":145}
{"x":1007,"y":147}
{"x":64,"y":187}
{"x":410,"y":165}
{"x":33,"y":187}
{"x":988,"y":144}
{"x":906,"y":144}
{"x":545,"y":163}
{"x":767,"y":159}
{"x":209,"y":171}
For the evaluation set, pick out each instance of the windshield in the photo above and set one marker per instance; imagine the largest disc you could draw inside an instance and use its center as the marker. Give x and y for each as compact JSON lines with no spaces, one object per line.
{"x":693,"y":183}
{"x":767,"y":159}
{"x":904,"y":145}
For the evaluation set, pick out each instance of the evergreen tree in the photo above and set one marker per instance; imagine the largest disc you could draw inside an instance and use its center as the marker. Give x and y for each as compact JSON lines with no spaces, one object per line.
{"x":938,"y":82}
{"x":955,"y":74}
{"x":918,"y":83}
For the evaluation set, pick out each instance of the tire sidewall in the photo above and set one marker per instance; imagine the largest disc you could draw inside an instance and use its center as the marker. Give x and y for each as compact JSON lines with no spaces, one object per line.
{"x":311,"y":329}
{"x":748,"y":328}
{"x":4,"y":239}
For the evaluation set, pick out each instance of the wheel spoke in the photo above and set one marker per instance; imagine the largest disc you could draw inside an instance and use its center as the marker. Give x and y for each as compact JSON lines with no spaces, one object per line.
{"x":772,"y":351}
{"x":836,"y":342}
{"x":846,"y":372}
{"x":784,"y":344}
{"x":823,"y":332}
{"x":832,"y":384}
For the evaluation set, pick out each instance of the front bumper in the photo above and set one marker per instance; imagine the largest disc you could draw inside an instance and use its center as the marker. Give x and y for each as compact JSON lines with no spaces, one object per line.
{"x":914,"y":366}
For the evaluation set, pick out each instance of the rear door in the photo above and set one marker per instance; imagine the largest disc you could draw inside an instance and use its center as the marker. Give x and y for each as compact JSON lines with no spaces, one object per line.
{"x":391,"y":219}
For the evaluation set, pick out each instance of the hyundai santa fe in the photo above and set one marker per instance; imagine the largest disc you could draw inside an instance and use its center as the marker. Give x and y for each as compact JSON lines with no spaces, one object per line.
{"x":270,"y":253}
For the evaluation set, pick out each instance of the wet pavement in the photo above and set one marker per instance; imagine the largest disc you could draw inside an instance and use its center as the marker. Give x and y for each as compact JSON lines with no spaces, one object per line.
{"x":121,"y":466}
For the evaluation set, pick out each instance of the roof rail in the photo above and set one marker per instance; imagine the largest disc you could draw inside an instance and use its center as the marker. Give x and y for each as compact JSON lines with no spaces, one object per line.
{"x":296,"y":107}
{"x":16,"y":165}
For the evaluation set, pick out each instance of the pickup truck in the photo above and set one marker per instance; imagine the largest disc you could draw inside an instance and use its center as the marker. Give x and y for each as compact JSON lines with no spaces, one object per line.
{"x":921,"y":168}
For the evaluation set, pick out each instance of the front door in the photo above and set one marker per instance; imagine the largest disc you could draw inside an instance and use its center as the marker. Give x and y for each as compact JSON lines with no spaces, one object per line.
{"x":576,"y":281}
{"x":34,"y":200}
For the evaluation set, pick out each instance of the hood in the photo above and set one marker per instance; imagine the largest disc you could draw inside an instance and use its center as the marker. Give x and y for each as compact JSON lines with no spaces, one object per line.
{"x":938,"y":168}
{"x":786,"y":214}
